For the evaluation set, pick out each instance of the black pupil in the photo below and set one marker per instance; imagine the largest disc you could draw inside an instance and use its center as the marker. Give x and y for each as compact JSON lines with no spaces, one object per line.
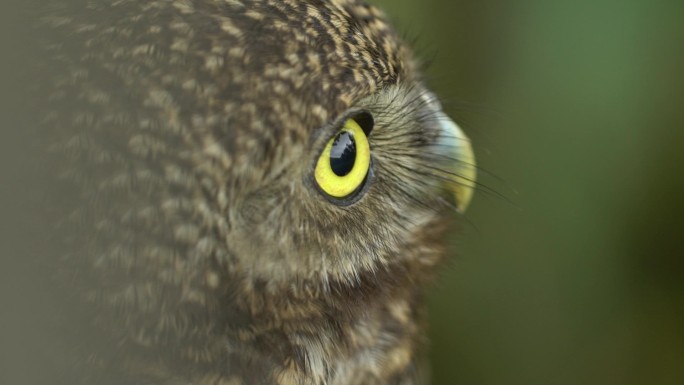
{"x":343,"y":153}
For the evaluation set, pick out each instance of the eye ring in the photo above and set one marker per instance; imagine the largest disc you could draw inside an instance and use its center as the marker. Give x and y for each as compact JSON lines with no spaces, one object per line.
{"x":343,"y":167}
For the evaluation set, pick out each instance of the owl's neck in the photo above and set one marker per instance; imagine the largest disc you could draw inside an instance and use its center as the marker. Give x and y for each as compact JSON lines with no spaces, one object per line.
{"x":367,"y":332}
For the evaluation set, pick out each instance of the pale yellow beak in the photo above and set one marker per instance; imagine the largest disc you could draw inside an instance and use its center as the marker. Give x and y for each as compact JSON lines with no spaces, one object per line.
{"x":463,"y":169}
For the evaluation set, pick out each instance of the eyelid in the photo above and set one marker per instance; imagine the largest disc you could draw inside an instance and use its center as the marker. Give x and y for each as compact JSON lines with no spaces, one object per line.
{"x":320,"y":136}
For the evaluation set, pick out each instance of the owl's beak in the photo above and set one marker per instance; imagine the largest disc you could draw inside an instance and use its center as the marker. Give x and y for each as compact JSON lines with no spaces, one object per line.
{"x":457,"y":149}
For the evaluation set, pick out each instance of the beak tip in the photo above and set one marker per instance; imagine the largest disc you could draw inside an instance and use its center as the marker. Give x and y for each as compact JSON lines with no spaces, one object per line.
{"x":463,"y":165}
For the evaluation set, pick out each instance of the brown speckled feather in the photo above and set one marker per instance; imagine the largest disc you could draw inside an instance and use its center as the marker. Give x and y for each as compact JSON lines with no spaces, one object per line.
{"x":194,"y":246}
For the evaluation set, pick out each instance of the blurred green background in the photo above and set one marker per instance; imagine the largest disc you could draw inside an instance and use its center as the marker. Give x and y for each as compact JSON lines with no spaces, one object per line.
{"x":576,"y":110}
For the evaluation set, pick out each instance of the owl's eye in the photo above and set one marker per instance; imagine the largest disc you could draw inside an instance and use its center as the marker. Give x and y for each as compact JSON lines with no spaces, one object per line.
{"x":343,"y":166}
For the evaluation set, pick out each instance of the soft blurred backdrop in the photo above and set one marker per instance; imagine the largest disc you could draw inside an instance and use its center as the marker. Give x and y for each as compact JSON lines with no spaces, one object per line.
{"x":570,"y":266}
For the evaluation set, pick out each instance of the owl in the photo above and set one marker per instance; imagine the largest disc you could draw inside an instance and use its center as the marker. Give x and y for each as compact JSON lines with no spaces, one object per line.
{"x":240,"y":192}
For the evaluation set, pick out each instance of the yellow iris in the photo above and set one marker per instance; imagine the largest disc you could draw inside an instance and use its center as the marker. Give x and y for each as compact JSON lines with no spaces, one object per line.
{"x":344,"y":163}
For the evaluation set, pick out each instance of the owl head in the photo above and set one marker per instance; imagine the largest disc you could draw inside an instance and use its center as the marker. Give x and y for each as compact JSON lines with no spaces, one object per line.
{"x":272,"y":157}
{"x":343,"y":168}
